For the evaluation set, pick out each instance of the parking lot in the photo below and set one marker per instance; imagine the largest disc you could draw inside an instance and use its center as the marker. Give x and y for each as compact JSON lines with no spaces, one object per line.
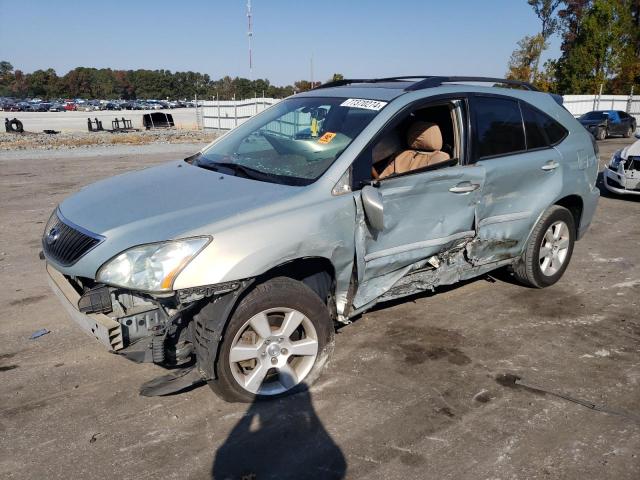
{"x":418,"y":388}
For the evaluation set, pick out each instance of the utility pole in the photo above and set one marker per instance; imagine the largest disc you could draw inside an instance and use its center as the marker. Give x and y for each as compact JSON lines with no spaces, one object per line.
{"x":311,"y":69}
{"x":250,"y":35}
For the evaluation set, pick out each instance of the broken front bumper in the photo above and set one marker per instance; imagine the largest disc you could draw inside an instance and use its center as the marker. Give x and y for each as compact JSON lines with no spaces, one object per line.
{"x":617,"y":183}
{"x":104,"y":329}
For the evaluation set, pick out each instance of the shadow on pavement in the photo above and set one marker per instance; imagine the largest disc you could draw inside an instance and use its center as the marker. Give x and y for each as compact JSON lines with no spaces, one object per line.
{"x":277,"y":439}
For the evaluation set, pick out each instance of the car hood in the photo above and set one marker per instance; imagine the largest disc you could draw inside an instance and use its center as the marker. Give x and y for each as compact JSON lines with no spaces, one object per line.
{"x":632,"y":150}
{"x":166,"y":202}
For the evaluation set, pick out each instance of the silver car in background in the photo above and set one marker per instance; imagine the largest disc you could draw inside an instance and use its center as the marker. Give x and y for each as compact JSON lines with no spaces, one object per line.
{"x":237,"y":263}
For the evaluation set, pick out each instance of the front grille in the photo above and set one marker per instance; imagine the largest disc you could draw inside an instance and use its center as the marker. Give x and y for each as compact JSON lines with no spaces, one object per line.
{"x":64,"y":243}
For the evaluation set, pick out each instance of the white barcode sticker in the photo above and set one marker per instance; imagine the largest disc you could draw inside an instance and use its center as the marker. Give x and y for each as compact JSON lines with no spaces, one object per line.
{"x":363,"y":103}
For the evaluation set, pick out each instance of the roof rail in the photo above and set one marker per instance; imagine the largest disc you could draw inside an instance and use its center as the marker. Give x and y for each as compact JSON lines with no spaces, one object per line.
{"x":431,"y":82}
{"x":428,"y":81}
{"x":348,"y":81}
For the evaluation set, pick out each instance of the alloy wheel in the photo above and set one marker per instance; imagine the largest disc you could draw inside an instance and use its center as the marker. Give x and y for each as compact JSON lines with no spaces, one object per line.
{"x":273,"y":351}
{"x":554,"y":248}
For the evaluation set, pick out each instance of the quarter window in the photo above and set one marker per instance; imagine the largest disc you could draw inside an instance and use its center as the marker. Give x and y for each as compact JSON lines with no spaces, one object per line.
{"x":534,"y":124}
{"x":555,"y":132}
{"x":498,"y":127}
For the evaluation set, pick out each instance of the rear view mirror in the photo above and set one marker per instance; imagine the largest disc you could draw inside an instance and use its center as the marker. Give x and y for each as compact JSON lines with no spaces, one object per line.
{"x":372,"y":204}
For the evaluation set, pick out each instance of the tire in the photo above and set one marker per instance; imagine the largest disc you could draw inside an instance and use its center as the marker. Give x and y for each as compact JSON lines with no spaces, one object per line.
{"x":538,"y":271}
{"x":271,"y":368}
{"x":629,"y":132}
{"x":602,"y":134}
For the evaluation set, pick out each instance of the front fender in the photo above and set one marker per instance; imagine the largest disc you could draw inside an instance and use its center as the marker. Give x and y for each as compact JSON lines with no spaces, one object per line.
{"x":325,"y":230}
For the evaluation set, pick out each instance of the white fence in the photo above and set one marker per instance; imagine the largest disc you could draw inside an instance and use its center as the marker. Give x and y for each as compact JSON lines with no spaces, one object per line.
{"x":579,"y":104}
{"x":228,"y":114}
{"x":225,"y":115}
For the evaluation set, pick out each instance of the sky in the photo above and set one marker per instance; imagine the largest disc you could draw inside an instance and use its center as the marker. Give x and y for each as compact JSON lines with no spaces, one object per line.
{"x":357,"y":38}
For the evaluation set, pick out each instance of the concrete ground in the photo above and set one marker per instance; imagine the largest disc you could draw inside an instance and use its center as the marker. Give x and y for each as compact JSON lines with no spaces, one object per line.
{"x":77,"y":121}
{"x":414,"y":389}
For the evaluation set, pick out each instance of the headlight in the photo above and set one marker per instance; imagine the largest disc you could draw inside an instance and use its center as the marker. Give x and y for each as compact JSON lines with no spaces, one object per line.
{"x":151,"y":267}
{"x":615,"y":160}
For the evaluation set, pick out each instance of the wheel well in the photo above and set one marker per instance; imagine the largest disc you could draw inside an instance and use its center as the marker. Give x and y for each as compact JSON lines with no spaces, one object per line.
{"x":574,"y":204}
{"x":315,"y":272}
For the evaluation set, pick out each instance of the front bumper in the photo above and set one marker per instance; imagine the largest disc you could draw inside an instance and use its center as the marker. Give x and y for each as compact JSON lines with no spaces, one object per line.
{"x":615,"y":183}
{"x":104,"y":329}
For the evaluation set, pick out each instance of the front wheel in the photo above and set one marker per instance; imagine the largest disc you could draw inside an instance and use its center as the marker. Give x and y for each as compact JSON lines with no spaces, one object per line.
{"x":278,"y":339}
{"x":549,"y":249}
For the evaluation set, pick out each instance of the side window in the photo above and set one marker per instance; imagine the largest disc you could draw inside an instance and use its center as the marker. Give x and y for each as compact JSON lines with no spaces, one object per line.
{"x":424,"y":139}
{"x":498,"y":127}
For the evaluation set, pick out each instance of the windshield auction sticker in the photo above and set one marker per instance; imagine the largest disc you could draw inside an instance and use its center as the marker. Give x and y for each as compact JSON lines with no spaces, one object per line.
{"x":363,"y":103}
{"x":327,"y":137}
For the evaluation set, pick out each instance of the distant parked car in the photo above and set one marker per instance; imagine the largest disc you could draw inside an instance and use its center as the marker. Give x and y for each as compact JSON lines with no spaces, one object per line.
{"x":112,"y":106}
{"x":622,"y":175}
{"x":44,"y":107}
{"x":70,"y":106}
{"x":603,"y":123}
{"x":12,"y":107}
{"x":57,"y":107}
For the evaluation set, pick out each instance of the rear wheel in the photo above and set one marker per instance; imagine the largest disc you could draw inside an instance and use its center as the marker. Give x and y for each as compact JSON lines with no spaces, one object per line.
{"x":549,"y":249}
{"x":602,"y":134}
{"x":629,"y":132}
{"x":279,"y":337}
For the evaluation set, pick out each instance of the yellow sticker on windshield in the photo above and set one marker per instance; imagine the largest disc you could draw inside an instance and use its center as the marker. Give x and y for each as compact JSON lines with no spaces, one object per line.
{"x":327,"y":137}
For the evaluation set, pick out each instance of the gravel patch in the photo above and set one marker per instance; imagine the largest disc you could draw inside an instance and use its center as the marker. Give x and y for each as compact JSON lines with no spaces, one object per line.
{"x":43,"y":141}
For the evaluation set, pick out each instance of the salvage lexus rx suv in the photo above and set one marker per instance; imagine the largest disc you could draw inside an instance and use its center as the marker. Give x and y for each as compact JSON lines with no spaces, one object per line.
{"x":238,"y":262}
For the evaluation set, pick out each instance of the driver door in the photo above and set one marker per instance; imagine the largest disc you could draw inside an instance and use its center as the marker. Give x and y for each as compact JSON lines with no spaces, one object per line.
{"x":425,"y":212}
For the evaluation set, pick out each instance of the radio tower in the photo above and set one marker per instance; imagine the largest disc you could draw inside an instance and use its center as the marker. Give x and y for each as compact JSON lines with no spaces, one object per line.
{"x":250,"y":35}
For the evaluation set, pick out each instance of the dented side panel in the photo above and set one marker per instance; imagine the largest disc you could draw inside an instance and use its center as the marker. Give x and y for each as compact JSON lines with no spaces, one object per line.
{"x":422,"y":218}
{"x":517,"y":190}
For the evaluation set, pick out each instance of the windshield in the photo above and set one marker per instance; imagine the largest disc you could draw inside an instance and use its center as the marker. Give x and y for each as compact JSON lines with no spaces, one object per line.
{"x":294,"y":142}
{"x":594,"y":116}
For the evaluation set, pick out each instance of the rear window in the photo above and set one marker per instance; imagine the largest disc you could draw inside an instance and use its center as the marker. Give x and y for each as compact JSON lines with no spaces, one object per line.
{"x":498,"y":127}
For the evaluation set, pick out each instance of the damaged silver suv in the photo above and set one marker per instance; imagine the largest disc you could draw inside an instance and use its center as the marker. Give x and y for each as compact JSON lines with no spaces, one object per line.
{"x":236,"y":264}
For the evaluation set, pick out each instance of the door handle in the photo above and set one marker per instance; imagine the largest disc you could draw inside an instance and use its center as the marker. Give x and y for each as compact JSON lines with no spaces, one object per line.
{"x":550,"y":166}
{"x":464,"y":187}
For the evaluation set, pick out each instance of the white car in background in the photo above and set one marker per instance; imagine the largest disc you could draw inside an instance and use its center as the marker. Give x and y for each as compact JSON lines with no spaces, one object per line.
{"x":622,"y":175}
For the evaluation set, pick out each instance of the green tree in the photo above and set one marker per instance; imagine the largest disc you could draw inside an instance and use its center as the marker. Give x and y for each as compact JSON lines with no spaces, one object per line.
{"x":594,"y":48}
{"x":523,"y":61}
{"x":6,"y":77}
{"x":545,"y":10}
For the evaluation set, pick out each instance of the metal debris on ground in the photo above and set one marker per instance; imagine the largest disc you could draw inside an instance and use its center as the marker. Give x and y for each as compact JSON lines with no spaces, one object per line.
{"x":50,"y":132}
{"x":39,"y":333}
{"x":157,"y":120}
{"x":120,"y":125}
{"x":94,"y":128}
{"x":514,"y":381}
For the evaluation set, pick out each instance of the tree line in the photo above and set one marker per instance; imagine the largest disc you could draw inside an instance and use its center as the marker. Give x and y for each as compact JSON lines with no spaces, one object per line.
{"x":600,"y":46}
{"x":105,"y":83}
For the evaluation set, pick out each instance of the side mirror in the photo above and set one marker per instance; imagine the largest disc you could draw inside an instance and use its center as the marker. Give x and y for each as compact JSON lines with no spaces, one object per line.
{"x":372,"y":204}
{"x":638,"y":135}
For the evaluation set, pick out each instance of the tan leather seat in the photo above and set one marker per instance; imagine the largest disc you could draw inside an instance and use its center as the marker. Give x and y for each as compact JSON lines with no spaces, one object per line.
{"x":425,"y":141}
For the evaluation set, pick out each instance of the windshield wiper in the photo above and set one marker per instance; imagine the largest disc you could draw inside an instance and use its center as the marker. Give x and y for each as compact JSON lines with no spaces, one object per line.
{"x":244,"y":170}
